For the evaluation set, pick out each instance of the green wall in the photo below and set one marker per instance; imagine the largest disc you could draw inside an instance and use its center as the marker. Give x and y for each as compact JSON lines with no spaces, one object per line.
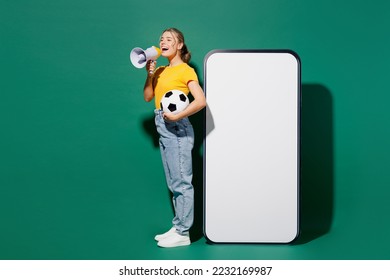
{"x":80,"y":172}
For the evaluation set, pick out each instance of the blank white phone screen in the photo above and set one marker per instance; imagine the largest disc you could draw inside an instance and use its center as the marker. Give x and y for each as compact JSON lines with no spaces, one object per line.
{"x":251,"y":147}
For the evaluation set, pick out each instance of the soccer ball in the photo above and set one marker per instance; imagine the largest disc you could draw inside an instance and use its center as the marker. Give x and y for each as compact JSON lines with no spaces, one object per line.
{"x":174,"y":101}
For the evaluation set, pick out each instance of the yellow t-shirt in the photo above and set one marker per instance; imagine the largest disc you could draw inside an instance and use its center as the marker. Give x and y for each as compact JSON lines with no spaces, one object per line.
{"x":167,"y":78}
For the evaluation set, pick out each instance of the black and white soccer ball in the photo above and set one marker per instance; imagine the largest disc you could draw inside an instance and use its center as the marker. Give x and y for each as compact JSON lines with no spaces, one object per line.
{"x":174,"y":101}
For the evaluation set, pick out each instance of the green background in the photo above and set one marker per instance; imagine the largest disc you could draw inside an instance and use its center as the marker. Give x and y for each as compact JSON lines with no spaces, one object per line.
{"x":80,"y":172}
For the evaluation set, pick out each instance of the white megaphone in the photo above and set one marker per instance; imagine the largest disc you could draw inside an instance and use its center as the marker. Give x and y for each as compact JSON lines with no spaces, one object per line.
{"x":139,"y":57}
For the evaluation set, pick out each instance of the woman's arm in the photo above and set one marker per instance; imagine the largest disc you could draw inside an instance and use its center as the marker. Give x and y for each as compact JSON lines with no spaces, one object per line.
{"x":195,"y":106}
{"x":148,"y":87}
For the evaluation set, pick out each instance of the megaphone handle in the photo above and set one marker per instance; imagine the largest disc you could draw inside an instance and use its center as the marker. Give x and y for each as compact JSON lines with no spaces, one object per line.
{"x":151,"y":71}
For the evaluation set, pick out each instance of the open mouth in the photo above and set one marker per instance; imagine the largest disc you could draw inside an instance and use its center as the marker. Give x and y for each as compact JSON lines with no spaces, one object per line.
{"x":164,"y":49}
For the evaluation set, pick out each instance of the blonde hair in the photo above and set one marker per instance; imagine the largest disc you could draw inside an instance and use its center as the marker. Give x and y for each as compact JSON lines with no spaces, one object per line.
{"x":185,"y":54}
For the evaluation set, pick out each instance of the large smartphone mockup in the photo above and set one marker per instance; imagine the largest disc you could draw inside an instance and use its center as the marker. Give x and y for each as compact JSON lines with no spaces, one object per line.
{"x":251,"y":146}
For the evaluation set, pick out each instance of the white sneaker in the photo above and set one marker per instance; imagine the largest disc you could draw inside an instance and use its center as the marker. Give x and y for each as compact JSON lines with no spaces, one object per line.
{"x":159,"y":237}
{"x":174,"y":240}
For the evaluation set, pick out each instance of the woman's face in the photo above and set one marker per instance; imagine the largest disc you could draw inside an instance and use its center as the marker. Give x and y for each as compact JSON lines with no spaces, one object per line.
{"x":169,"y":44}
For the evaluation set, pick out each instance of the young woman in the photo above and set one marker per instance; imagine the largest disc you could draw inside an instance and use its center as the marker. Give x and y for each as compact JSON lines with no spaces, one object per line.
{"x":176,"y":132}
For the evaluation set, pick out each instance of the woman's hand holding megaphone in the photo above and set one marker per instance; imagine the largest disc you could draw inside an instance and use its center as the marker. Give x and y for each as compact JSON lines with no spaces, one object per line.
{"x":150,"y":67}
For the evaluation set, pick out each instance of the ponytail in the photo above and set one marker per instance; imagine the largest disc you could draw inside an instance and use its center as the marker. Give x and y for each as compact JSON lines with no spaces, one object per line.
{"x":185,"y":54}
